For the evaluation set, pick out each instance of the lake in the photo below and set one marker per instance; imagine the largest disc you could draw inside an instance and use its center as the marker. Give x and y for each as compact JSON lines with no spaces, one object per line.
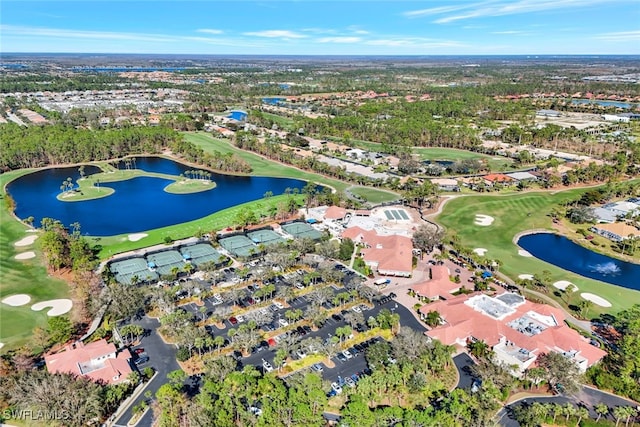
{"x":138,"y":204}
{"x":563,"y":253}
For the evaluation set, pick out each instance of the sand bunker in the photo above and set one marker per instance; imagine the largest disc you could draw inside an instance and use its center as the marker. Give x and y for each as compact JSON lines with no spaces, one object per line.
{"x":1,"y":345}
{"x":17,"y":300}
{"x":522,"y":252}
{"x":526,"y":276}
{"x":26,"y":255}
{"x":137,"y":236}
{"x":484,"y":220}
{"x":58,"y":306}
{"x":562,"y":284}
{"x":595,"y":299}
{"x":26,"y":241}
{"x":480,"y":251}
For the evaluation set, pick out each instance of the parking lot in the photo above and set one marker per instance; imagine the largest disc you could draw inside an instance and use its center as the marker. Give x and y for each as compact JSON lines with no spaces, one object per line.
{"x":243,"y":300}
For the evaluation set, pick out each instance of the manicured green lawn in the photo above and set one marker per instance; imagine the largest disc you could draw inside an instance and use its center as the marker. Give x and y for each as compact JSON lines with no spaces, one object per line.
{"x":374,"y":195}
{"x":282,"y":122}
{"x":21,"y":277}
{"x":188,"y":186}
{"x":513,"y":214}
{"x":260,"y":165}
{"x":497,"y":163}
{"x":112,"y":245}
{"x":90,"y":187}
{"x":264,"y":167}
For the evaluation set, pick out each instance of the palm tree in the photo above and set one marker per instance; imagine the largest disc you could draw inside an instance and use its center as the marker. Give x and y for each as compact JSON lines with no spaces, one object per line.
{"x":480,"y":349}
{"x":581,"y":413}
{"x":569,"y":410}
{"x":432,"y":318}
{"x":619,"y":412}
{"x":601,"y":409}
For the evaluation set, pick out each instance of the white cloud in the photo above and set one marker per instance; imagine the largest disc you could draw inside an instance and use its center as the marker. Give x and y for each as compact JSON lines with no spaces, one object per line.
{"x":339,"y":40}
{"x":357,"y":30}
{"x":209,"y":31}
{"x":498,"y":8}
{"x":434,"y":11}
{"x":280,"y":34}
{"x":620,"y":36}
{"x":317,"y":30}
{"x":81,"y":34}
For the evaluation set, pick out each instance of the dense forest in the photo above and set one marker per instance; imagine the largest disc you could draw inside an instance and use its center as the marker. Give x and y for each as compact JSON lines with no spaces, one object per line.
{"x":35,"y":146}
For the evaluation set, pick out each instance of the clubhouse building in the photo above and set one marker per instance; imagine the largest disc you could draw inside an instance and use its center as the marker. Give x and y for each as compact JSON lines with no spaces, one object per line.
{"x":517,"y":330}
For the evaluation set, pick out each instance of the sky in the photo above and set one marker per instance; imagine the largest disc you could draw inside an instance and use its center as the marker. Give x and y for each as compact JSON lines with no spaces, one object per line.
{"x":327,"y":27}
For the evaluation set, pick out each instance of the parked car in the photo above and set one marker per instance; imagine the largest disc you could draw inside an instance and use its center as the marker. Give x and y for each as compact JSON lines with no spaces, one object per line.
{"x":336,"y":387}
{"x":267,"y":366}
{"x":138,"y":350}
{"x":350,"y":382}
{"x":317,"y":367}
{"x":347,"y":354}
{"x":233,"y":320}
{"x":283,"y":322}
{"x":141,"y":360}
{"x":341,"y":357}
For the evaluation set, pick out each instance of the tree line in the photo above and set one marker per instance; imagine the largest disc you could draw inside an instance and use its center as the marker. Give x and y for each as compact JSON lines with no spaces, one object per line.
{"x":36,"y":146}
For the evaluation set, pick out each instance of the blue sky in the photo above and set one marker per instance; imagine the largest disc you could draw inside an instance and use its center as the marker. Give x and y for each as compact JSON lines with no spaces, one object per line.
{"x":328,"y":27}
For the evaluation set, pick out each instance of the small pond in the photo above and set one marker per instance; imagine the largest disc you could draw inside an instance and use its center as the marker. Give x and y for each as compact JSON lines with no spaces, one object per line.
{"x":138,"y":204}
{"x":563,"y":253}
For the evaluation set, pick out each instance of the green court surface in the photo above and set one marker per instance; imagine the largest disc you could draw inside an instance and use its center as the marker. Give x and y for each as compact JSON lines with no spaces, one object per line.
{"x":125,"y":270}
{"x":301,"y":230}
{"x":201,"y":253}
{"x":239,"y":245}
{"x":265,"y":237}
{"x":164,"y":262}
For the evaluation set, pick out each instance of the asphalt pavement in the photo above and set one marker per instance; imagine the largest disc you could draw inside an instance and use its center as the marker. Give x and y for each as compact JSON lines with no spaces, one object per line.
{"x":162,"y":357}
{"x":586,"y":397}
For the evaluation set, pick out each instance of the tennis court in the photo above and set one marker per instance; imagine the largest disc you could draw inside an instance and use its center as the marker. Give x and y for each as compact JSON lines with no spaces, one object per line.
{"x":126,"y":269}
{"x":201,"y":253}
{"x":301,"y":230}
{"x":265,"y":237}
{"x":239,"y":245}
{"x":165,"y":261}
{"x":396,"y":215}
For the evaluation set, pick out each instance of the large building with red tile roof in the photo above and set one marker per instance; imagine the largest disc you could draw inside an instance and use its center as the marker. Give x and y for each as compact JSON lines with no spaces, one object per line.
{"x":335,"y":213}
{"x":439,"y":286}
{"x":517,"y":330}
{"x":99,"y":361}
{"x":387,"y":255}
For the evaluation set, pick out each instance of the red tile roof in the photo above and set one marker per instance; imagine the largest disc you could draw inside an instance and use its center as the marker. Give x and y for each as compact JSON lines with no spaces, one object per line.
{"x":439,"y":286}
{"x":392,"y":253}
{"x":464,"y":322}
{"x":98,"y":361}
{"x":335,"y":212}
{"x":498,"y":177}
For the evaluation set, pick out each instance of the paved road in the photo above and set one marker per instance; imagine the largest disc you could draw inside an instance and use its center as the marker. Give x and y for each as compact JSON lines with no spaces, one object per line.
{"x":465,"y":379}
{"x":162,"y":358}
{"x":586,"y":397}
